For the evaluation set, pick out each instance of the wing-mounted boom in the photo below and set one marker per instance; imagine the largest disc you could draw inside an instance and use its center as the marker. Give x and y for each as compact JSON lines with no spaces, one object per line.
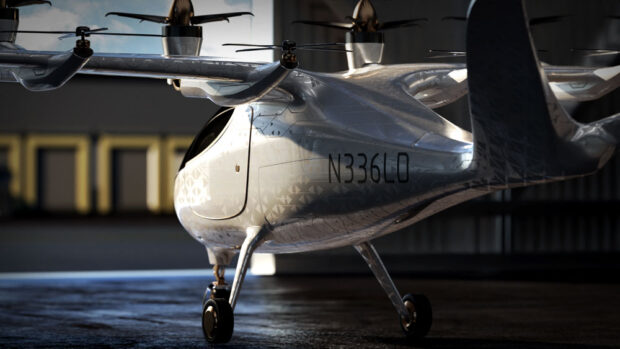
{"x":46,"y":72}
{"x":52,"y":72}
{"x":254,"y":86}
{"x":521,"y":133}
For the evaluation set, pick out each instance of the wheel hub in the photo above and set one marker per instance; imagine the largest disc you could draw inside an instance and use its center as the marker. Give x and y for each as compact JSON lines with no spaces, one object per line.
{"x":408,"y":323}
{"x":210,"y":322}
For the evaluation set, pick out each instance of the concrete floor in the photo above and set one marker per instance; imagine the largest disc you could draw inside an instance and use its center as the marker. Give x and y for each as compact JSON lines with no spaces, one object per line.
{"x":298,"y":312}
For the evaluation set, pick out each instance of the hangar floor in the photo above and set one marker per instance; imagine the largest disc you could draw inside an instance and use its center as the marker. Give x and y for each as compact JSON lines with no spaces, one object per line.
{"x":296,"y":312}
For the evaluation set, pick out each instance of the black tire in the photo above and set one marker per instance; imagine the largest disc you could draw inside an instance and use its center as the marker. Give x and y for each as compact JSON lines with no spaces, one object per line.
{"x":421,"y":314}
{"x":218,"y":321}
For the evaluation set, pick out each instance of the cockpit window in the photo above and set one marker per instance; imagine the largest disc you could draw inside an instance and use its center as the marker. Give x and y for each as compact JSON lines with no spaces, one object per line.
{"x":208,"y":134}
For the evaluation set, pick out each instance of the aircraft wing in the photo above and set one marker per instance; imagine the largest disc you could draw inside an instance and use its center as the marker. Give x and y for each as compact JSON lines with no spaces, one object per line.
{"x":245,"y":82}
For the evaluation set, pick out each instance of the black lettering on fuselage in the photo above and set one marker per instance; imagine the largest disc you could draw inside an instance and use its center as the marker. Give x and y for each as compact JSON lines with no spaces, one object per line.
{"x":370,"y":169}
{"x":332,"y":166}
{"x":398,"y":162}
{"x":385,"y":172}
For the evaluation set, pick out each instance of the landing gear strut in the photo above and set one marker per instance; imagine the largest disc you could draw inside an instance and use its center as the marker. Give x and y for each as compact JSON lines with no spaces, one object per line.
{"x":415,"y":311}
{"x":219,"y":301}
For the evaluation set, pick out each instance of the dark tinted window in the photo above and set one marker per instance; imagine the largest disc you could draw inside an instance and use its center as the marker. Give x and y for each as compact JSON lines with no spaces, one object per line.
{"x":208,"y":134}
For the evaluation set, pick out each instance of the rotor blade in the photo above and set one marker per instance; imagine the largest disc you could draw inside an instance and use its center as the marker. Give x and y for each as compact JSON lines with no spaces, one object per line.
{"x":37,"y":32}
{"x":71,"y":35}
{"x":446,"y":54}
{"x":533,"y":21}
{"x":20,"y":3}
{"x":86,"y":32}
{"x":323,"y":49}
{"x":256,"y":49}
{"x":595,"y":52}
{"x":252,"y":45}
{"x":454,"y":18}
{"x":546,"y":20}
{"x":141,"y":17}
{"x":217,"y":17}
{"x":97,"y":30}
{"x":335,"y":25}
{"x":401,"y":24}
{"x":113,"y":34}
{"x":131,"y":34}
{"x":454,"y":54}
{"x":320,"y":45}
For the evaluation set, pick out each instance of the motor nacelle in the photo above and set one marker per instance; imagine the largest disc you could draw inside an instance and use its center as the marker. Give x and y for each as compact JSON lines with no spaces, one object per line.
{"x":9,"y":21}
{"x":182,"y":40}
{"x":365,"y":48}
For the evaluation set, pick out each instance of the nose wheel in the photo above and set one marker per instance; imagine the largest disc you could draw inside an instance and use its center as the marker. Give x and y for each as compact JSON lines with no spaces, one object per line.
{"x":218,"y":321}
{"x":420,"y":316}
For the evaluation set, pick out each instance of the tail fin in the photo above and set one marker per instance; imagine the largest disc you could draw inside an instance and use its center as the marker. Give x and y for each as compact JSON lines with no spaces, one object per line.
{"x":521,"y":133}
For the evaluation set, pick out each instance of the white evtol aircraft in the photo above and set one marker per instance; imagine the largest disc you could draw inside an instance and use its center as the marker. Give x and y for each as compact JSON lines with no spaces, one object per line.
{"x":301,"y":161}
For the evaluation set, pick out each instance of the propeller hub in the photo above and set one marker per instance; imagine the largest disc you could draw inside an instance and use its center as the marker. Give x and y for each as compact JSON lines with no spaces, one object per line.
{"x":82,"y":32}
{"x":289,"y":46}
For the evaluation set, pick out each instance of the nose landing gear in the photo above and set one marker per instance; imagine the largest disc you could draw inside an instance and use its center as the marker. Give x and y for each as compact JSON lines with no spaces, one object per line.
{"x":218,"y":320}
{"x":219,"y":301}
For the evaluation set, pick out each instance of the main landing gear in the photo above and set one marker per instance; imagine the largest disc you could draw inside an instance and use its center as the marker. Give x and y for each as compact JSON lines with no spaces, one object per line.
{"x":416,"y":315}
{"x":220,"y":298}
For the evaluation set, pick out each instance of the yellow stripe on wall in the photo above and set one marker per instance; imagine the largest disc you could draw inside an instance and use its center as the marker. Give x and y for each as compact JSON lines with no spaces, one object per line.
{"x":13,"y":145}
{"x":106,"y":145}
{"x":81,"y":145}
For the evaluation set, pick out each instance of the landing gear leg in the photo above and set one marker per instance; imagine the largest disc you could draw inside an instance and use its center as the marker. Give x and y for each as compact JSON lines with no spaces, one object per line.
{"x":415,"y":310}
{"x":220,"y":299}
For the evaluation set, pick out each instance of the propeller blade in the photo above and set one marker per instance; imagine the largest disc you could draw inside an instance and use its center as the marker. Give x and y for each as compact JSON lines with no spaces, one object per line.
{"x":455,"y":54}
{"x":325,"y":49}
{"x":401,"y":24}
{"x":335,"y":25}
{"x":613,"y":17}
{"x":141,"y":17}
{"x":82,"y":32}
{"x":217,"y":17}
{"x":435,"y":54}
{"x":454,"y":18}
{"x":69,"y":35}
{"x":252,"y":45}
{"x":37,"y":32}
{"x":533,"y":21}
{"x":546,"y":20}
{"x":257,"y":49}
{"x":131,"y":34}
{"x":320,"y":45}
{"x":97,"y":30}
{"x":20,"y":3}
{"x":595,"y":52}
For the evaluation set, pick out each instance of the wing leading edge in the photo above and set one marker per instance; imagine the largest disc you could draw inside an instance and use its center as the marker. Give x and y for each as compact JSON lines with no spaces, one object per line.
{"x":52,"y":70}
